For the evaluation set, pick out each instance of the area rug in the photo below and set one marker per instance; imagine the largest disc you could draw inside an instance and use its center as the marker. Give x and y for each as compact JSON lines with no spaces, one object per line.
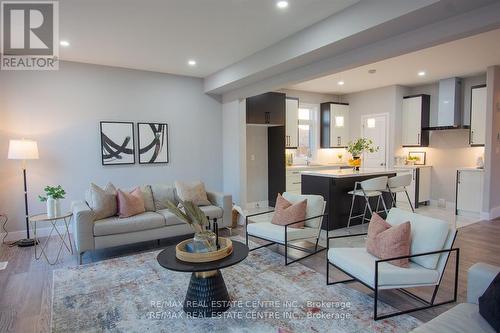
{"x":135,"y":294}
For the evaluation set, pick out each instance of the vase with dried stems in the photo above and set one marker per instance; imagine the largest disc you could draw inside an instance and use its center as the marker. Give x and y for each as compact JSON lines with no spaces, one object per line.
{"x":204,"y":240}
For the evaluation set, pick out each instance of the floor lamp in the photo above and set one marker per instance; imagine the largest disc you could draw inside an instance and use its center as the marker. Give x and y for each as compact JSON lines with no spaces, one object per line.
{"x":24,"y":150}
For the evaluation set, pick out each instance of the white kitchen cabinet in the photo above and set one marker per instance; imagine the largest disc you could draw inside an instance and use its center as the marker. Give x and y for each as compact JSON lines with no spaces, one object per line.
{"x":420,"y":186}
{"x":292,"y":123}
{"x":477,"y":135}
{"x":339,"y":126}
{"x":293,"y":181}
{"x":415,"y":116}
{"x":469,"y":191}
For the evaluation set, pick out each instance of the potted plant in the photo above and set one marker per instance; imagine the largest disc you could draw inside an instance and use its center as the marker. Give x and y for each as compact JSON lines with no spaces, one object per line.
{"x":52,"y":197}
{"x":357,"y":147}
{"x":204,"y":240}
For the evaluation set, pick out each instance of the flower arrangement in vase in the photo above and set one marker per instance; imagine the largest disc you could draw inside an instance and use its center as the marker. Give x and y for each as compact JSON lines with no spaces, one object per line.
{"x":52,"y":197}
{"x":358,"y":147}
{"x":204,"y":240}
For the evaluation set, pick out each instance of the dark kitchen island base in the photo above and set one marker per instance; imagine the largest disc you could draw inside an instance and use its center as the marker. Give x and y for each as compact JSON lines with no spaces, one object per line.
{"x":338,"y":201}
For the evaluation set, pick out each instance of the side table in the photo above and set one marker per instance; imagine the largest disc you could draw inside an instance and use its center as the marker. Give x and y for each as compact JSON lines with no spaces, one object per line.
{"x":35,"y":220}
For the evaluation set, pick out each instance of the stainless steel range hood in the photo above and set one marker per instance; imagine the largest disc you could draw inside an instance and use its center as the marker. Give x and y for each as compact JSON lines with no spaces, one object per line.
{"x":449,"y":113}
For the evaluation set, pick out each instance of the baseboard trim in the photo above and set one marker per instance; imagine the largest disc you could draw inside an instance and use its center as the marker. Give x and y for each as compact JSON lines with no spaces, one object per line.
{"x":21,"y":234}
{"x":494,"y":213}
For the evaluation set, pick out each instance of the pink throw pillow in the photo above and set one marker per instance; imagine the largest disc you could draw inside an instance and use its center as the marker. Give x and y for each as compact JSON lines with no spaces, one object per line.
{"x":286,"y":212}
{"x":387,"y":241}
{"x":130,"y":204}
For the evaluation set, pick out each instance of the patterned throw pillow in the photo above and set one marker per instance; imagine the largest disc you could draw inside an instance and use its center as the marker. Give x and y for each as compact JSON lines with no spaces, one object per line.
{"x":387,"y":241}
{"x":285,"y":212}
{"x":194,"y":192}
{"x":130,"y":204}
{"x":102,"y":201}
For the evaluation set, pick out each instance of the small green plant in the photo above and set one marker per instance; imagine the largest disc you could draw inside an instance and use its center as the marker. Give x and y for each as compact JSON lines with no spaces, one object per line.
{"x":358,"y":146}
{"x":56,"y":192}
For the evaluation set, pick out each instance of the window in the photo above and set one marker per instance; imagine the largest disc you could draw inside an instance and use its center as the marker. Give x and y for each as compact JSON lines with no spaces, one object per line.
{"x":305,"y":132}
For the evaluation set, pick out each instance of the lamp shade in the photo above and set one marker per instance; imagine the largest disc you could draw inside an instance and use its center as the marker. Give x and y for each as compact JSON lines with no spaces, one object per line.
{"x":23,"y":150}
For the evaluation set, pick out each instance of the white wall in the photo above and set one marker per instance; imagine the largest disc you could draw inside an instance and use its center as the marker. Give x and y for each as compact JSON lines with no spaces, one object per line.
{"x":257,"y":176}
{"x":492,"y":148}
{"x":234,"y":150}
{"x":375,"y":101}
{"x":62,"y":110}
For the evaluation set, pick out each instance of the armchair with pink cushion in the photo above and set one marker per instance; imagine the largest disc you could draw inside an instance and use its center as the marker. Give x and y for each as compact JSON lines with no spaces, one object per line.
{"x":259,"y":226}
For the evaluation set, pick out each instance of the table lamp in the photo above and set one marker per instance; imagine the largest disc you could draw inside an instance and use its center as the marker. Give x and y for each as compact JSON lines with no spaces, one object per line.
{"x":24,"y":150}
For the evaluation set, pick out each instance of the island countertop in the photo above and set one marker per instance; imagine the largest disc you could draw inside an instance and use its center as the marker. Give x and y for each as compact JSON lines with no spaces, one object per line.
{"x":348,"y":173}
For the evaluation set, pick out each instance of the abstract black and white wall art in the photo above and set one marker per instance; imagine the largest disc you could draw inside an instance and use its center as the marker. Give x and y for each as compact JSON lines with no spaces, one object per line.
{"x":117,"y":143}
{"x":153,"y":143}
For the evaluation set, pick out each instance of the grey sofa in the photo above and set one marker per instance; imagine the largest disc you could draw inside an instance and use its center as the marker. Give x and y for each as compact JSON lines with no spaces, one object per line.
{"x":154,"y":224}
{"x":465,"y":317}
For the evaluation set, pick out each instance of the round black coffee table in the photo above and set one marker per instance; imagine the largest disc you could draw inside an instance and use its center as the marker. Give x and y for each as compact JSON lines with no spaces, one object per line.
{"x":207,"y":293}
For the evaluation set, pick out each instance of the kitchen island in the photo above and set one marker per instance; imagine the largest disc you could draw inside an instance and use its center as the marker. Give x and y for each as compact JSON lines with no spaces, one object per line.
{"x":334,"y":185}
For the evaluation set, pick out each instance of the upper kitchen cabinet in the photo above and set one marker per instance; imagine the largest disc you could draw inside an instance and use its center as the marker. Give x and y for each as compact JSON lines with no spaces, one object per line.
{"x":266,"y":109}
{"x":334,"y":130}
{"x":416,"y":111}
{"x":292,"y":123}
{"x":477,"y":133}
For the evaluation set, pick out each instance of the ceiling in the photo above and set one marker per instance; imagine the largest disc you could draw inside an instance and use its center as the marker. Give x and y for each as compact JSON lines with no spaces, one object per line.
{"x":461,"y":58}
{"x":161,"y":35}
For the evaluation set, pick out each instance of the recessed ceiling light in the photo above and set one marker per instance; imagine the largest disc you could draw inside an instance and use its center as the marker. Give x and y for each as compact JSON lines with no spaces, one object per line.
{"x":421,"y":73}
{"x":340,"y":83}
{"x":372,"y":71}
{"x":64,"y":43}
{"x":282,"y":4}
{"x":192,"y":62}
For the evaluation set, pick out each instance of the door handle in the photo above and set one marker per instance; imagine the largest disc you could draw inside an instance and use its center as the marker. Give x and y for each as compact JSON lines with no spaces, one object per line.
{"x":471,"y":136}
{"x":458,"y":177}
{"x":418,"y":138}
{"x":267,"y":118}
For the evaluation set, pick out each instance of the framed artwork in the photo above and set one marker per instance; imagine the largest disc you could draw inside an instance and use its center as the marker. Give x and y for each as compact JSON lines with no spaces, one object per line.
{"x":117,"y":143}
{"x":417,"y":156}
{"x":153,"y":143}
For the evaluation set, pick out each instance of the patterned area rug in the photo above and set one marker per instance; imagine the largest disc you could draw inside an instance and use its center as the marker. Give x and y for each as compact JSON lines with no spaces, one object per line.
{"x":135,"y":294}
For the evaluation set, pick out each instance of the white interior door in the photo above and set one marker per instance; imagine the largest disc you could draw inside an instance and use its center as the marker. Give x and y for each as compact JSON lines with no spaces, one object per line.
{"x":374,"y":127}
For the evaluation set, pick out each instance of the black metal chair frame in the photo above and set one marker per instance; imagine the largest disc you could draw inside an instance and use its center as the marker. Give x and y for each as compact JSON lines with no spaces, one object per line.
{"x":286,"y":243}
{"x":428,"y":304}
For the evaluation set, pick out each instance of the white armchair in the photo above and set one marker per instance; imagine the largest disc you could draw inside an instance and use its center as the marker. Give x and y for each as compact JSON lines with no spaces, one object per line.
{"x":431,"y":244}
{"x":285,"y":235}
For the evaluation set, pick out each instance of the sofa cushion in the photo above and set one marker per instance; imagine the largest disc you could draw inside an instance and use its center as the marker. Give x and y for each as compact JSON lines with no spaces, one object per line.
{"x":102,"y":201}
{"x":162,"y":193}
{"x":147,"y":195}
{"x":213,"y":212}
{"x":193,"y":191}
{"x":427,"y":234}
{"x":276,"y":233}
{"x":115,"y":225}
{"x":361,"y":264}
{"x":130,"y":204}
{"x":315,"y":206}
{"x":170,"y":219}
{"x":463,"y":318}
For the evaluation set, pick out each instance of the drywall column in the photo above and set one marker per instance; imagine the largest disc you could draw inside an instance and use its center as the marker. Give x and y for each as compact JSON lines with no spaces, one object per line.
{"x":491,"y":202}
{"x":234,"y":150}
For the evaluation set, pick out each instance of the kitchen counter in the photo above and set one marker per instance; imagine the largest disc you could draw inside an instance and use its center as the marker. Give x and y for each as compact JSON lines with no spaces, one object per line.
{"x":317,"y":166}
{"x":470,"y":169}
{"x":412,"y":166}
{"x":350,"y":173}
{"x":334,"y":185}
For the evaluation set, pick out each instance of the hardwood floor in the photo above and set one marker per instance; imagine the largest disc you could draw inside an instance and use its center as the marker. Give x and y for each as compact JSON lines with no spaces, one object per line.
{"x":26,"y":284}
